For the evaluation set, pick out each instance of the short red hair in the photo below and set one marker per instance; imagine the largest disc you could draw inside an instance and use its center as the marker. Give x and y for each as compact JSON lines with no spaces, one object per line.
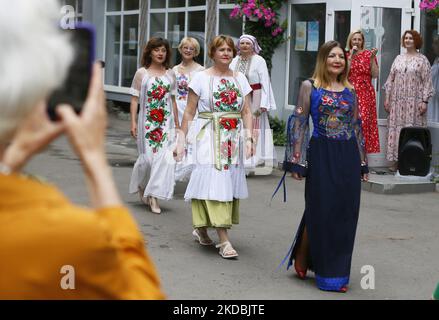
{"x":218,"y":42}
{"x":417,"y":38}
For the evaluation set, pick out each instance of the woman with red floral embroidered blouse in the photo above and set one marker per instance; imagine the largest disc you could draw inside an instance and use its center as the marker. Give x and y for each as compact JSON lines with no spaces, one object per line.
{"x":223,"y":140}
{"x":154,"y":172}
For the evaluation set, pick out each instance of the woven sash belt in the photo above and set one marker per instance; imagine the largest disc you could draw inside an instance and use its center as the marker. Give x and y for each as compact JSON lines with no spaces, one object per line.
{"x":215,"y":118}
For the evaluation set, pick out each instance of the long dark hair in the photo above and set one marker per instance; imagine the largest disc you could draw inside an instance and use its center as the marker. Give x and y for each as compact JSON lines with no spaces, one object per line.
{"x":151,"y":45}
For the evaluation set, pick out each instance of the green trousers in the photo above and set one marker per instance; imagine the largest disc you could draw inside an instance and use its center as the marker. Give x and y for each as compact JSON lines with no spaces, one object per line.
{"x":215,"y":214}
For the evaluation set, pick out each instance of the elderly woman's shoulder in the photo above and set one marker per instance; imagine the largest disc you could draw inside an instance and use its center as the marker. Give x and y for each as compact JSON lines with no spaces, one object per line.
{"x":240,"y":75}
{"x":259,"y":58}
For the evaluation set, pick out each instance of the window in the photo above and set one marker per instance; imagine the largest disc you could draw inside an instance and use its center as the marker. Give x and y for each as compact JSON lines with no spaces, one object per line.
{"x":232,"y":27}
{"x":121,"y":41}
{"x":197,"y":2}
{"x":382,"y":31}
{"x":307,"y":32}
{"x":176,"y":3}
{"x":157,"y":4}
{"x":342,"y":27}
{"x":176,"y":19}
{"x":77,"y":5}
{"x":430,"y":35}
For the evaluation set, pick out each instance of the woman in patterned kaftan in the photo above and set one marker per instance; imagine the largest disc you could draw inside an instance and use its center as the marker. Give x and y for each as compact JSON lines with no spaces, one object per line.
{"x":409,"y":88}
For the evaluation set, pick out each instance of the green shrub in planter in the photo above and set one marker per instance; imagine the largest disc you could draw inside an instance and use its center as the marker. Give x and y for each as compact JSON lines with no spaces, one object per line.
{"x":279,"y":131}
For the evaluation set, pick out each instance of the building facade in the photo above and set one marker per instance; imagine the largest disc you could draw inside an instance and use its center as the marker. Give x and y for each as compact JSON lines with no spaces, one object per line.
{"x":124,"y":26}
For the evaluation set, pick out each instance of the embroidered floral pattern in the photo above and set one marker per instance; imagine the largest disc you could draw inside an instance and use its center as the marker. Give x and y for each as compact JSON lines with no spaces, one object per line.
{"x":182,"y":87}
{"x":226,"y":97}
{"x":156,"y":114}
{"x":229,"y":124}
{"x":335,"y":116}
{"x":229,"y":151}
{"x":230,"y":138}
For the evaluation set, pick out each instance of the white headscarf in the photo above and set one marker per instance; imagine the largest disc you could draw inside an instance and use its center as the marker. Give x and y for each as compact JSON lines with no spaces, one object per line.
{"x":256,"y":47}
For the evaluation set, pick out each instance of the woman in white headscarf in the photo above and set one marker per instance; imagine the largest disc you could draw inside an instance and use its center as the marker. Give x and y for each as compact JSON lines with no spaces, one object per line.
{"x":254,"y":67}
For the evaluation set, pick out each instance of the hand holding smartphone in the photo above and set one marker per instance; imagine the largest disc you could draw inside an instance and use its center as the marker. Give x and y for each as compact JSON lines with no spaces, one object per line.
{"x":75,"y":88}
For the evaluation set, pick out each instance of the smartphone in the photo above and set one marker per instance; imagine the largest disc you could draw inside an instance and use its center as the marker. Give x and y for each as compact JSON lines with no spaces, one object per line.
{"x":74,"y":90}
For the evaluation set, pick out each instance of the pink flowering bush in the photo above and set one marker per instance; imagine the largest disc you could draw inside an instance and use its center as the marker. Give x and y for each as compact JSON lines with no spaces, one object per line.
{"x":429,"y":5}
{"x":262,"y":21}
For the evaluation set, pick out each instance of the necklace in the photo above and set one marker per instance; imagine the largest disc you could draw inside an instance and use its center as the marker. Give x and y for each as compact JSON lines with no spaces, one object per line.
{"x":243,"y":65}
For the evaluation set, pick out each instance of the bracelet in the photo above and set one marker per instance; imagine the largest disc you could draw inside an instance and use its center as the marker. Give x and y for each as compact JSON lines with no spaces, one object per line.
{"x":250,"y":139}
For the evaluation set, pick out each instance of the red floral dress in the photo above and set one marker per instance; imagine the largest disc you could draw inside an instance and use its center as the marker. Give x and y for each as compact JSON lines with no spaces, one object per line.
{"x":360,"y":76}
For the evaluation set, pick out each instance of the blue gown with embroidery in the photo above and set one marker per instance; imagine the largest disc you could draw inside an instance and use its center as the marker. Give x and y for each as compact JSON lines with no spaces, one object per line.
{"x":332,"y":162}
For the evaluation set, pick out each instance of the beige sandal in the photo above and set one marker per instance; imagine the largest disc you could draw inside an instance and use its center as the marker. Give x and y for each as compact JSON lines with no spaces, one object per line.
{"x":226,"y":250}
{"x":144,"y":200}
{"x":204,"y":242}
{"x":154,"y":206}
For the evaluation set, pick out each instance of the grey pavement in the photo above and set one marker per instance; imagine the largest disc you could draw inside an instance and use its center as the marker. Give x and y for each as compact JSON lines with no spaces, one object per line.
{"x":397,"y":234}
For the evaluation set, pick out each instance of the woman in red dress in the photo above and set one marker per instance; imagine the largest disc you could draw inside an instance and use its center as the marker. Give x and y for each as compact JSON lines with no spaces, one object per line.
{"x":364,"y":68}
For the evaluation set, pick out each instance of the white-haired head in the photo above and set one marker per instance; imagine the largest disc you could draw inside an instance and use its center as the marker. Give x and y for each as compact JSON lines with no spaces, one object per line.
{"x":34,"y":58}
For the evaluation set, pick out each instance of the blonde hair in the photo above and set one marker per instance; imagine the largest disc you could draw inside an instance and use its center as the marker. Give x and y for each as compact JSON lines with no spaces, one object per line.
{"x":218,"y":42}
{"x":351,"y":35}
{"x":191,"y":41}
{"x":34,"y":58}
{"x":321,"y":75}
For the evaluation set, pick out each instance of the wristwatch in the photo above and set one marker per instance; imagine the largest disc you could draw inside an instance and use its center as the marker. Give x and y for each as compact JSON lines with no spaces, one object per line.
{"x":250,"y":139}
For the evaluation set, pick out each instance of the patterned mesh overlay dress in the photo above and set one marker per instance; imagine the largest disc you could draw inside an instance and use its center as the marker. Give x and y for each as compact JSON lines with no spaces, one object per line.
{"x":332,"y":162}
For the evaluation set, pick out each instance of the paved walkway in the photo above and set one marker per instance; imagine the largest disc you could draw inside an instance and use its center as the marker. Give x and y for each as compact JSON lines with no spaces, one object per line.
{"x":397,"y":234}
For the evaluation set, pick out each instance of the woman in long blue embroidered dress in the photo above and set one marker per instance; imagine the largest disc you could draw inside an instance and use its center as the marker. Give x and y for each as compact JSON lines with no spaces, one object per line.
{"x":334,"y":163}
